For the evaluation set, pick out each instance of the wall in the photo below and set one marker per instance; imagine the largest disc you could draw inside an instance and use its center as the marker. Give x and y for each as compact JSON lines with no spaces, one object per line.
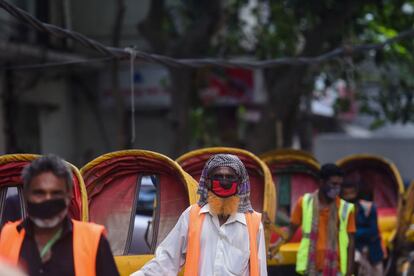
{"x":52,"y":99}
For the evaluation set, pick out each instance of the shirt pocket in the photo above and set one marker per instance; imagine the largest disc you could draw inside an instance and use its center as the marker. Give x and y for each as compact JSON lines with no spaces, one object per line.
{"x":235,"y":260}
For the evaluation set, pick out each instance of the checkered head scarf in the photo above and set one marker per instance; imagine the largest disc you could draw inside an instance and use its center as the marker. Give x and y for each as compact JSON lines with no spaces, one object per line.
{"x":231,"y":161}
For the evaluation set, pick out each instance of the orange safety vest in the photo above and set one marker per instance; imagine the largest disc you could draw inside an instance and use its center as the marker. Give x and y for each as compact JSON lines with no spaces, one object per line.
{"x":86,"y":237}
{"x":193,"y":245}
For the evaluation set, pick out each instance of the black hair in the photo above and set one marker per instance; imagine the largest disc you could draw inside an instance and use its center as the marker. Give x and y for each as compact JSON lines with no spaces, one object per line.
{"x":48,"y":163}
{"x":329,"y":170}
{"x":365,"y":192}
{"x":349,"y":184}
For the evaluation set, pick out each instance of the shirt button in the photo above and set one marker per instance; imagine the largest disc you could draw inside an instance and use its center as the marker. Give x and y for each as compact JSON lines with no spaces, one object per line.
{"x":41,"y":271}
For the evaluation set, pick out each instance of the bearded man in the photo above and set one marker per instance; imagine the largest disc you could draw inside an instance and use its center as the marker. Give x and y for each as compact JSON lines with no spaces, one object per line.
{"x":221,"y":234}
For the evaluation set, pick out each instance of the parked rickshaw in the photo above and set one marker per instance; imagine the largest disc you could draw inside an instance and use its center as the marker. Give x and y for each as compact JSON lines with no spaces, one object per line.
{"x":295,"y":173}
{"x":119,"y":185}
{"x":379,"y":179}
{"x":403,"y":243}
{"x":11,"y":189}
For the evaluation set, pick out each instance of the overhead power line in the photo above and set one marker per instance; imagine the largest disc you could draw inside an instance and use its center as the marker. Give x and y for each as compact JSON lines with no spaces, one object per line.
{"x":55,"y":64}
{"x":194,"y":63}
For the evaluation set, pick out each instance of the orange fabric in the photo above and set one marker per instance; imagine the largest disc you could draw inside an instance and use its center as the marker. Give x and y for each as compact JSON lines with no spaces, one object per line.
{"x":11,"y":241}
{"x":322,"y":229}
{"x":253,"y":224}
{"x":193,"y":246}
{"x":86,"y":238}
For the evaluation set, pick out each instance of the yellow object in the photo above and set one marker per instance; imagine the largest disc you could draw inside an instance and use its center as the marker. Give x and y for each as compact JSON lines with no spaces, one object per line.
{"x":23,"y":157}
{"x":132,"y":263}
{"x":129,"y":264}
{"x":290,"y":155}
{"x":387,"y":223}
{"x":405,"y":227}
{"x":345,"y":208}
{"x":410,"y":235}
{"x":286,"y":255}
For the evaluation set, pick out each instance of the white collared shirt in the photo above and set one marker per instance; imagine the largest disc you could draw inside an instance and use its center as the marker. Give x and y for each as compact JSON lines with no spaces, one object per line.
{"x":224,"y":250}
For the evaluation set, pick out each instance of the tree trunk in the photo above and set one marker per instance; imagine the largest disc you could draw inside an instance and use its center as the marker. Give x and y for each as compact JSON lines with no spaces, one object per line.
{"x":182,"y":87}
{"x":279,"y":115}
{"x":194,"y":42}
{"x":305,"y":125}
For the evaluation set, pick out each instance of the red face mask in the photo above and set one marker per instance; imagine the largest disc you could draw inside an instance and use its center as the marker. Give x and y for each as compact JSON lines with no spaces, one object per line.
{"x":224,"y":188}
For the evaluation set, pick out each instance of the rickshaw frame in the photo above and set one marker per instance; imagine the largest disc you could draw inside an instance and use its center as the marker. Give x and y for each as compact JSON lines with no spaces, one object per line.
{"x":128,"y":264}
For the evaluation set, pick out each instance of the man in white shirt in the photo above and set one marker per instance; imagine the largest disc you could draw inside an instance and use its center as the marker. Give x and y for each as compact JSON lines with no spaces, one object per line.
{"x":214,"y":236}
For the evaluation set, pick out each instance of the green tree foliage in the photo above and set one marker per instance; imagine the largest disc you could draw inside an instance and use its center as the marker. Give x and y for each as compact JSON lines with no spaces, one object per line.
{"x":310,"y":28}
{"x":291,"y":28}
{"x":394,"y":101}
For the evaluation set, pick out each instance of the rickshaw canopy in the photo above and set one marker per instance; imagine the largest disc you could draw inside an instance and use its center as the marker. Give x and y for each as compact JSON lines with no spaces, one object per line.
{"x":113,"y":182}
{"x":294,"y":172}
{"x":379,"y":177}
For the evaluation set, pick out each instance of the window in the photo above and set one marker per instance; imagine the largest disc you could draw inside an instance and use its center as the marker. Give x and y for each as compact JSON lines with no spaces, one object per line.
{"x":142,"y":234}
{"x":12,"y":204}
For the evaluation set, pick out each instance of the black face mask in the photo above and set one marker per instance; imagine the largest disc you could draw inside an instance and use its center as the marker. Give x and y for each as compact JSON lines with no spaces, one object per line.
{"x":46,"y":209}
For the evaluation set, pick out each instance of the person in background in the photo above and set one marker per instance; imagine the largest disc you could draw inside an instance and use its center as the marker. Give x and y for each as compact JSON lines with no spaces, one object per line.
{"x":328,"y":227}
{"x":369,"y":254}
{"x":221,"y":234}
{"x":47,"y":242}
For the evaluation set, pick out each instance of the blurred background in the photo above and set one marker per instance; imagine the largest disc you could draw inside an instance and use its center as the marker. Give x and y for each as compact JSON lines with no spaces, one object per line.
{"x":356,"y":103}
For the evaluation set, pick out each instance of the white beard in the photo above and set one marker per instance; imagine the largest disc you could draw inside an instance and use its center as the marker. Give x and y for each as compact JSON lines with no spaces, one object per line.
{"x":49,"y":223}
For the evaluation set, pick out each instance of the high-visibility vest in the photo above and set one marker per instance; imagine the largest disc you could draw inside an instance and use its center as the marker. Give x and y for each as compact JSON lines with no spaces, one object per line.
{"x":194,"y":233}
{"x":345,"y":208}
{"x":86,"y":237}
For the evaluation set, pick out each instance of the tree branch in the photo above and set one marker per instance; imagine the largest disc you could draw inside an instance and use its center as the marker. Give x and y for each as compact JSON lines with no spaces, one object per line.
{"x":151,"y":28}
{"x":119,"y":19}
